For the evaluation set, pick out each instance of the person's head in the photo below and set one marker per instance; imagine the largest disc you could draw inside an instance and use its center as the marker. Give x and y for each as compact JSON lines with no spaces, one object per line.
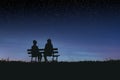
{"x":49,"y":40}
{"x":34,"y":42}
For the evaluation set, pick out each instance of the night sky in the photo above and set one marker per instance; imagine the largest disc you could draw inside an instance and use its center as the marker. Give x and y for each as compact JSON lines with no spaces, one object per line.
{"x":80,"y":29}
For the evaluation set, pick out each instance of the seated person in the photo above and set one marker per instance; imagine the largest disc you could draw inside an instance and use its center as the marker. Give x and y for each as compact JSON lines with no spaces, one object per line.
{"x":48,"y":51}
{"x":35,"y":50}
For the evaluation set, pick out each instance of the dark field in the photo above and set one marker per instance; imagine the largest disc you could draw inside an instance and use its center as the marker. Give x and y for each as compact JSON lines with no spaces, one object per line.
{"x":61,"y":70}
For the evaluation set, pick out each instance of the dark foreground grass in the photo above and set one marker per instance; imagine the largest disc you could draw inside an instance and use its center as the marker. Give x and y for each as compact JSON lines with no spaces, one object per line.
{"x":60,"y":62}
{"x":113,"y":62}
{"x":61,"y":70}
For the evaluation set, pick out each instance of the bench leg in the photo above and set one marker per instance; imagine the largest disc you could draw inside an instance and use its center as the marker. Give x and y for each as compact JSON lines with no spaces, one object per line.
{"x":31,"y":59}
{"x":52,"y":58}
{"x":56,"y":58}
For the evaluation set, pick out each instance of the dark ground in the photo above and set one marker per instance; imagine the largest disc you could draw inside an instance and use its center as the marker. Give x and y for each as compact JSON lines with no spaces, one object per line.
{"x":61,"y":70}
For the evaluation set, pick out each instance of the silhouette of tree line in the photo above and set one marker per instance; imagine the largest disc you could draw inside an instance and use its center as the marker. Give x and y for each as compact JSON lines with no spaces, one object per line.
{"x":47,"y":51}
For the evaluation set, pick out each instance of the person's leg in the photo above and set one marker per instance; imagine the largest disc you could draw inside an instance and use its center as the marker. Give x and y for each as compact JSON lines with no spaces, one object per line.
{"x":45,"y":58}
{"x":39,"y":58}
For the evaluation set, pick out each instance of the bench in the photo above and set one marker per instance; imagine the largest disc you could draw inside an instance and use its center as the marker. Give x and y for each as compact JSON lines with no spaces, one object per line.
{"x":41,"y":51}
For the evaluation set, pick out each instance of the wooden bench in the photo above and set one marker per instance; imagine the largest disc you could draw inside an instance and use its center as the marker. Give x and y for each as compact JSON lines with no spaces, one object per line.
{"x":54,"y":55}
{"x":41,"y":51}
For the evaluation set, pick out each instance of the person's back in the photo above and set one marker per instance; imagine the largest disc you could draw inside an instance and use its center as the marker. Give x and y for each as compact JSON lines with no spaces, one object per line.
{"x":35,"y":50}
{"x":48,"y":51}
{"x":48,"y":48}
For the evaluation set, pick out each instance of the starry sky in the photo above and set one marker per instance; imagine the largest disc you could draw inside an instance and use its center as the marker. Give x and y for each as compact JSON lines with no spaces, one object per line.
{"x":80,"y":29}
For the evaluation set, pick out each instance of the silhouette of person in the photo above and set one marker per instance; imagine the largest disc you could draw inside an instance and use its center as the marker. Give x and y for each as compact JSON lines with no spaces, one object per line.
{"x":35,"y":51}
{"x":48,"y":51}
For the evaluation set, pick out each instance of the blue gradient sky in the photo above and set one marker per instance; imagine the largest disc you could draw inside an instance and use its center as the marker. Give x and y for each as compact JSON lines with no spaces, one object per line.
{"x":81,"y":29}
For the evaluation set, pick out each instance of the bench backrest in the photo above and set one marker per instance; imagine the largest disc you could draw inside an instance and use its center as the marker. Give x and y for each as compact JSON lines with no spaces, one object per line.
{"x":55,"y":50}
